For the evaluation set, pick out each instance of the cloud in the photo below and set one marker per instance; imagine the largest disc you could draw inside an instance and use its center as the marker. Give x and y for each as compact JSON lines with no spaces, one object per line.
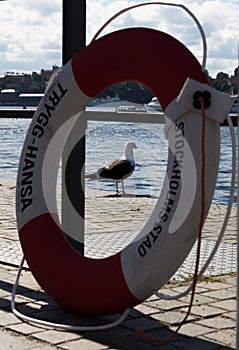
{"x":31,"y":31}
{"x":43,"y":8}
{"x":31,"y":34}
{"x":219,"y":19}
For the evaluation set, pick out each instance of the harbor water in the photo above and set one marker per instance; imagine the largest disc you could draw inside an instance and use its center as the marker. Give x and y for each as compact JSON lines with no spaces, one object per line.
{"x":105,"y":142}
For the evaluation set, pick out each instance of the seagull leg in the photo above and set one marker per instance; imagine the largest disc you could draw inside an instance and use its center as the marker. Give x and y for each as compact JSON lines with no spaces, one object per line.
{"x":117,"y":187}
{"x":122,"y":182}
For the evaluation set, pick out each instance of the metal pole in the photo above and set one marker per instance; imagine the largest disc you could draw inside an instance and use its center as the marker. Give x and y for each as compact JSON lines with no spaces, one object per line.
{"x":237,"y":325}
{"x":74,"y":28}
{"x":74,"y":34}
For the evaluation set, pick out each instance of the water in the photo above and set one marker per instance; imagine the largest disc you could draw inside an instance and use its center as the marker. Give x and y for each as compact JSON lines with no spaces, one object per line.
{"x":105,"y":143}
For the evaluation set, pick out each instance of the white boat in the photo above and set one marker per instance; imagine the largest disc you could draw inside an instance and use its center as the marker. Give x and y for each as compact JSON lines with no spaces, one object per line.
{"x":131,"y":108}
{"x":99,"y":101}
{"x":154,"y":103}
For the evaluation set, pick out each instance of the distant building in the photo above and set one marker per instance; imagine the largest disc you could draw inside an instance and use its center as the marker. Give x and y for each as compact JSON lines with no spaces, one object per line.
{"x":46,"y":74}
{"x":26,"y":82}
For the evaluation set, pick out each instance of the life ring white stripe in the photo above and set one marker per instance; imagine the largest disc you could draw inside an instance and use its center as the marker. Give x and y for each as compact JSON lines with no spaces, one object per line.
{"x":169,"y":243}
{"x":49,"y":127}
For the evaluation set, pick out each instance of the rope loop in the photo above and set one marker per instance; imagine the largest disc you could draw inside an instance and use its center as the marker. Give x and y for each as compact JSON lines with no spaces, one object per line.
{"x":141,"y":332}
{"x":183,"y":7}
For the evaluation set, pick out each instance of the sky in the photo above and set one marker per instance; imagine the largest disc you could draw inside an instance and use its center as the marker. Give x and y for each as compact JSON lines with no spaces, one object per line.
{"x":31,"y":30}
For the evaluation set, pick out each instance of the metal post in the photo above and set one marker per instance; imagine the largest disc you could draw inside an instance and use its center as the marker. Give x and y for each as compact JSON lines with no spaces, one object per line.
{"x":237,"y":325}
{"x":74,"y":33}
{"x":74,"y":28}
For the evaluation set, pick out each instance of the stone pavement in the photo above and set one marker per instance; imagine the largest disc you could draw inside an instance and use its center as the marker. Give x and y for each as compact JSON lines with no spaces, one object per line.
{"x":210,"y":326}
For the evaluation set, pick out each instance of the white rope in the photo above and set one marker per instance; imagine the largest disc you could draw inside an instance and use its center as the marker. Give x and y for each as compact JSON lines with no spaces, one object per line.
{"x":58,"y":326}
{"x":161,"y":4}
{"x":67,"y":327}
{"x":226,"y":219}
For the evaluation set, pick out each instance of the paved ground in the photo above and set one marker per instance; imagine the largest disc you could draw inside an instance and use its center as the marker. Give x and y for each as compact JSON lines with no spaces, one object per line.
{"x":210,"y":326}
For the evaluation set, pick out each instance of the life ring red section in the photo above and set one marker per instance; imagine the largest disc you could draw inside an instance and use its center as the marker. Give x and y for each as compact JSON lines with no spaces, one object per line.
{"x":78,"y":283}
{"x":98,"y":286}
{"x":147,"y":56}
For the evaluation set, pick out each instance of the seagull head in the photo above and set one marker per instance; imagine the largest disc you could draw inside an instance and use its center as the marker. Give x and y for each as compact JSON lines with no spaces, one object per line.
{"x":128,"y":150}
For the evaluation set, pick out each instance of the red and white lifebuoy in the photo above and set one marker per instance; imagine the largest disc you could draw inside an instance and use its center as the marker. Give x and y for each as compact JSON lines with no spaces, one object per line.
{"x":105,"y":286}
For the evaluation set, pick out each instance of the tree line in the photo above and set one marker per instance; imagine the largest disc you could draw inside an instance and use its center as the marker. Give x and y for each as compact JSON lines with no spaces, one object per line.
{"x":138,"y":93}
{"x":129,"y":91}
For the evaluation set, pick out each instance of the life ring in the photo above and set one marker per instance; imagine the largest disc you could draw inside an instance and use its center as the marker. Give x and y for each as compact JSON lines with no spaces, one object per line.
{"x":106,"y":286}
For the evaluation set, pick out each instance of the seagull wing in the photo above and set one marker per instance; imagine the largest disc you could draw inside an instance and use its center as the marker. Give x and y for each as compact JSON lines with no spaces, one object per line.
{"x":117,"y":170}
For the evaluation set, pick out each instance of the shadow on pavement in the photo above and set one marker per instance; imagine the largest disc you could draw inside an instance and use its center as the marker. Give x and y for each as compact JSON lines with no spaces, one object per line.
{"x":39,"y":305}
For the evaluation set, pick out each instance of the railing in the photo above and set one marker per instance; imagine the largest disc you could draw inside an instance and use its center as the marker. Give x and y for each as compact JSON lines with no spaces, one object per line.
{"x":151,"y":117}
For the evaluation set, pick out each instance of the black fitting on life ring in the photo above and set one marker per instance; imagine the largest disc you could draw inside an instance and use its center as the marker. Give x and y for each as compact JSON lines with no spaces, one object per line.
{"x":206,"y":98}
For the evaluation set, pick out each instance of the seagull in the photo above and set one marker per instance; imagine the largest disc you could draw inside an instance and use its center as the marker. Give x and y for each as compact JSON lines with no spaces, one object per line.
{"x":119,"y":169}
